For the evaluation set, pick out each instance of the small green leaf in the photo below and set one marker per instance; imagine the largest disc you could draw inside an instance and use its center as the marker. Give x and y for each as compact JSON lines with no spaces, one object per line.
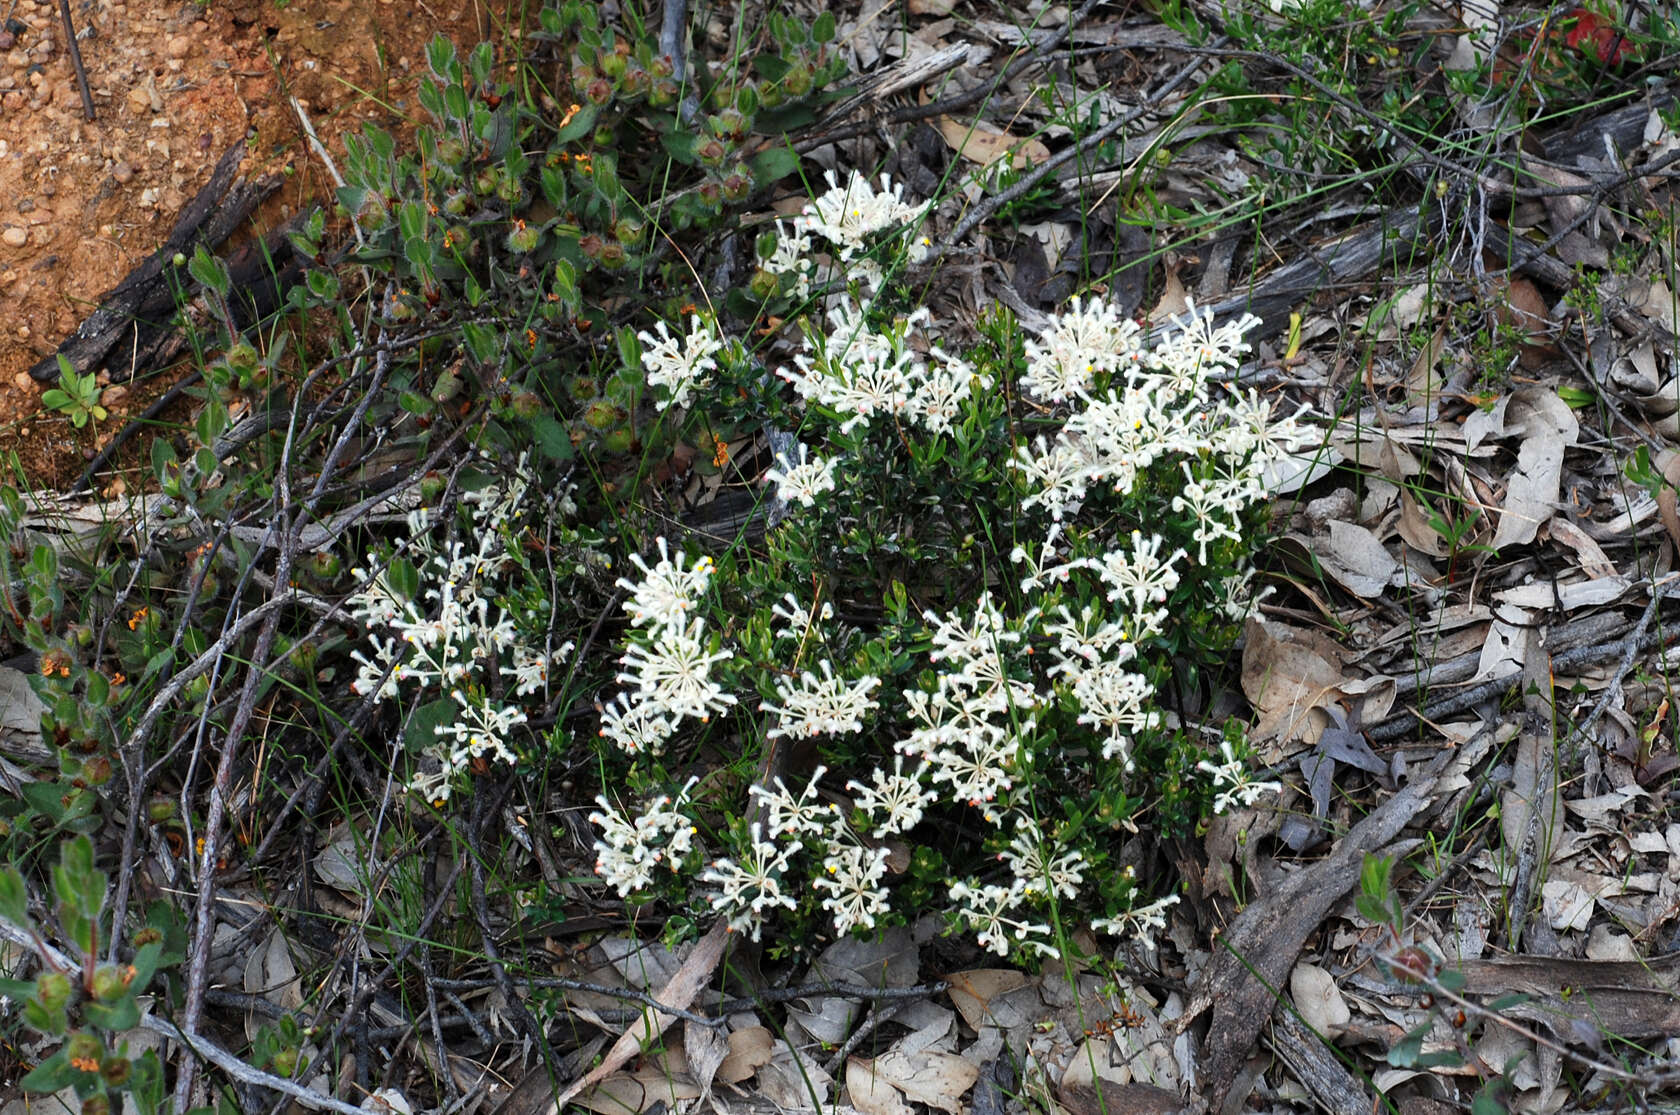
{"x":773,"y":164}
{"x":421,"y":730}
{"x":117,"y":1017}
{"x":51,"y":1075}
{"x":14,"y":901}
{"x":210,"y":271}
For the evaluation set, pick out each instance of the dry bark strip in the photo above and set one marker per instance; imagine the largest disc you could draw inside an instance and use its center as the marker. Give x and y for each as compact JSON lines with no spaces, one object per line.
{"x":1246,"y":978}
{"x":134,"y":315}
{"x":1319,"y":1070}
{"x":1577,"y":1000}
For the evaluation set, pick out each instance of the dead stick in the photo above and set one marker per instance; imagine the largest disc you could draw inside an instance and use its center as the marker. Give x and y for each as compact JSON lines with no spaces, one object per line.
{"x":76,"y":59}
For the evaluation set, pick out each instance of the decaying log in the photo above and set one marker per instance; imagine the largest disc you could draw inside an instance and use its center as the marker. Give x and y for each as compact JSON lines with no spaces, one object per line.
{"x":131,"y":327}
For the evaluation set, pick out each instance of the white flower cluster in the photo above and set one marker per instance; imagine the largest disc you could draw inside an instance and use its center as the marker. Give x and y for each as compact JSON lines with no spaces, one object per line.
{"x":448,"y":637}
{"x":1236,"y":786}
{"x":630,"y":848}
{"x":804,"y":481}
{"x":851,"y":218}
{"x":969,"y":730}
{"x":668,"y":663}
{"x":683,"y":366}
{"x":864,"y":374}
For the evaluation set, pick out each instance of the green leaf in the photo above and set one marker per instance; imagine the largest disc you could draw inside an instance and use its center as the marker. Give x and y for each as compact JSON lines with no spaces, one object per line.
{"x":1409,"y":1048}
{"x":440,"y":56}
{"x":680,"y":146}
{"x":822,"y":30}
{"x":210,"y":271}
{"x":51,"y":1075}
{"x":551,"y":438}
{"x":116,"y":1017}
{"x":404,"y":578}
{"x":421,"y":730}
{"x":581,"y":124}
{"x":773,"y":164}
{"x":54,"y":399}
{"x":1506,"y":1002}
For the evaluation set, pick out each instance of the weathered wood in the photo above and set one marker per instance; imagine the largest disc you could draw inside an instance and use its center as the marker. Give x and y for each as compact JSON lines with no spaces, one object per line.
{"x":133,"y":317}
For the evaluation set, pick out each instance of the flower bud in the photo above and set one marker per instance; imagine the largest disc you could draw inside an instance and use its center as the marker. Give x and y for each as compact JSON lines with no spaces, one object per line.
{"x":52,"y":990}
{"x":115,"y":1071}
{"x":764,"y":284}
{"x":160,"y":810}
{"x":590,"y":245}
{"x":108,"y":983}
{"x":526,"y":405}
{"x":599,"y":91}
{"x":431,"y":487}
{"x":98,"y":1104}
{"x":737,"y":185}
{"x":84,"y":1048}
{"x":711,"y":152}
{"x":602,"y":415}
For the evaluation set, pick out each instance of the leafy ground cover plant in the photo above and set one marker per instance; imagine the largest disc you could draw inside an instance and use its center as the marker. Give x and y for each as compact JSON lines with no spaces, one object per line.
{"x":1083,"y":499}
{"x":966,"y":668}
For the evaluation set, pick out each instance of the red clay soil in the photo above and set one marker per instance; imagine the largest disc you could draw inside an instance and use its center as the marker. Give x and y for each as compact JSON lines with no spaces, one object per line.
{"x":174,"y":84}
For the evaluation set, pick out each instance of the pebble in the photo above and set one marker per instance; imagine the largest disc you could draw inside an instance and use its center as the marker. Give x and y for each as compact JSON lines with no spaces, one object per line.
{"x":179,"y":47}
{"x":122,"y":172}
{"x":15,"y":237}
{"x":23,"y":381}
{"x":6,"y":40}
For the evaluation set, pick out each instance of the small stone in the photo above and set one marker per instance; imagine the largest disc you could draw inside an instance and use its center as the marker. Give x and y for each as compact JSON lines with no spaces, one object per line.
{"x":139,"y":101}
{"x":179,"y":47}
{"x":26,"y":205}
{"x":6,"y":40}
{"x":122,"y":172}
{"x":24,"y":381}
{"x":14,"y":236}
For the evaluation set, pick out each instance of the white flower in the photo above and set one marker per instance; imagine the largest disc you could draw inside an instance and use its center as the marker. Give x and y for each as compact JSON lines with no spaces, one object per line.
{"x":1113,"y":699}
{"x":1036,"y":867}
{"x":629,"y":849}
{"x":797,"y":618}
{"x":852,"y":874}
{"x":1087,"y":339}
{"x":635,"y":727}
{"x":479,"y":730}
{"x":1203,"y":500}
{"x":667,"y":592}
{"x":847,"y":216}
{"x":679,"y":366}
{"x":821,"y":705}
{"x":941,"y":390}
{"x":1235,"y":785}
{"x":1145,"y":921}
{"x":801,"y":483}
{"x":789,"y":258}
{"x":749,"y":888}
{"x":894,"y":801}
{"x":791,"y":816}
{"x":671,"y":673}
{"x":1199,"y":348}
{"x":986,"y":910}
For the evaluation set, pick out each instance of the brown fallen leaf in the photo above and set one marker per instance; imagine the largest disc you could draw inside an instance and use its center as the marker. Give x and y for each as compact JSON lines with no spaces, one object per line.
{"x":983,"y":144}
